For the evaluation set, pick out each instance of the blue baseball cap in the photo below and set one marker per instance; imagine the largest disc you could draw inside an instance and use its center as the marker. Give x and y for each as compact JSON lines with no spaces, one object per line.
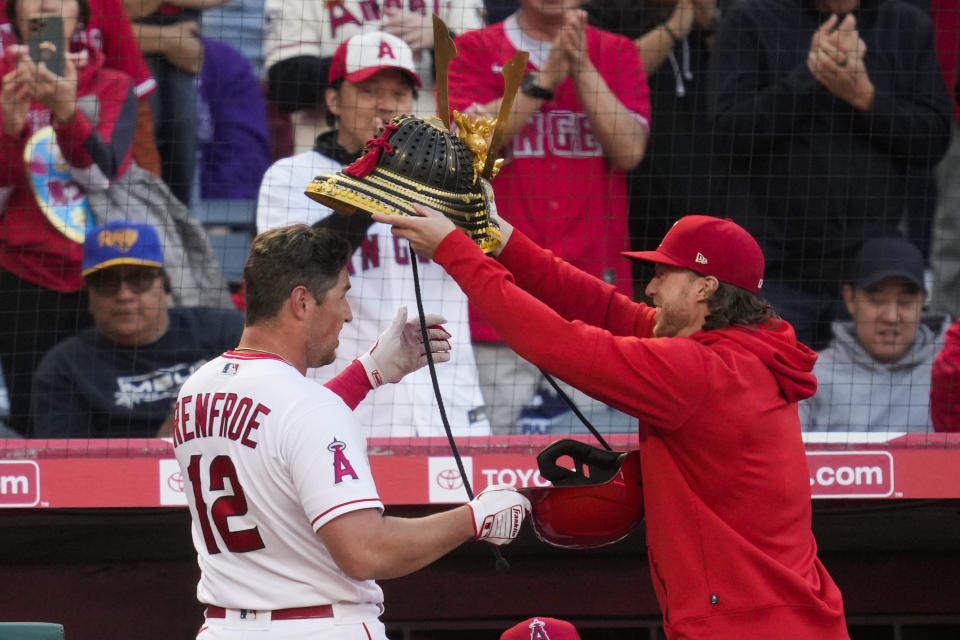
{"x":121,"y":243}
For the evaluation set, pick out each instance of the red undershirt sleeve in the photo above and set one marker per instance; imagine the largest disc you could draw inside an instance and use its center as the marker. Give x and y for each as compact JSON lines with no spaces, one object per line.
{"x":351,"y":384}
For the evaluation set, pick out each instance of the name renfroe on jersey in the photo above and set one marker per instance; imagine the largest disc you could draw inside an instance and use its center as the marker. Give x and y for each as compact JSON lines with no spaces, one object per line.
{"x":223,"y":415}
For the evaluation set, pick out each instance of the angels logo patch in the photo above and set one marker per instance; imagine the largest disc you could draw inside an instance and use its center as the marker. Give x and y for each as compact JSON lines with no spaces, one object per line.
{"x":341,"y":465}
{"x":538,"y":630}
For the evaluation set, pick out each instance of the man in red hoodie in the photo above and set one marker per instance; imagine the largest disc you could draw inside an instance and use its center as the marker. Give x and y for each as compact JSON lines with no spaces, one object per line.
{"x":713,"y":376}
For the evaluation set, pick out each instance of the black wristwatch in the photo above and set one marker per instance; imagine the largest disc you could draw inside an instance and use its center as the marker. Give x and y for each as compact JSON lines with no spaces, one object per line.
{"x":529,"y":87}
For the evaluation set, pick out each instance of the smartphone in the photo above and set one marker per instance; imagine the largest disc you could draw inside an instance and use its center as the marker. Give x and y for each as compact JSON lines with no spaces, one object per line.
{"x":45,"y":40}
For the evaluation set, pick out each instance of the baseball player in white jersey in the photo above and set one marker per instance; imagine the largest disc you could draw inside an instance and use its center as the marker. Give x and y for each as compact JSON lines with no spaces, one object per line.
{"x":287,"y":522}
{"x":310,"y":28}
{"x":380,"y":268}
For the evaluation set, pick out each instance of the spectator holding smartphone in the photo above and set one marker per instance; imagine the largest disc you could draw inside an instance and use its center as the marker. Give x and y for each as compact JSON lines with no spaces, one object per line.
{"x":107,"y":28}
{"x":62,"y":137}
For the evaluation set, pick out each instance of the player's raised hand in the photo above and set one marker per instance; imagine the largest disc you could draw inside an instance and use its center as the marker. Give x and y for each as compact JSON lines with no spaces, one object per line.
{"x":498,"y":512}
{"x":425,"y":232}
{"x":400,"y":351}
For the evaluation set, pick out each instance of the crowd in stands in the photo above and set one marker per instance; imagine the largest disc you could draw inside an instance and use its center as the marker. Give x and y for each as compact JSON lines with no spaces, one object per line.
{"x":830,"y":129}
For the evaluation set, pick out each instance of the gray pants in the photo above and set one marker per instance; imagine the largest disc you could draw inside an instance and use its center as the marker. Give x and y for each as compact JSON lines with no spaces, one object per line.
{"x":508,"y":382}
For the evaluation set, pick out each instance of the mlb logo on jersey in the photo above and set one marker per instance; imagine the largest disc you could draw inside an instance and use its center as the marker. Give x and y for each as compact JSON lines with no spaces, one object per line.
{"x":230,"y":369}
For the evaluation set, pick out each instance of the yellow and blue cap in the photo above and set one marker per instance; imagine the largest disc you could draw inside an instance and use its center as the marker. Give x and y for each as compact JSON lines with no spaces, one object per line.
{"x":121,"y":243}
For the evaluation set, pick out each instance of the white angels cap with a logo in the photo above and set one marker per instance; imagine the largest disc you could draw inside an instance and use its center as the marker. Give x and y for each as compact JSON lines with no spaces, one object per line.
{"x":364,"y":54}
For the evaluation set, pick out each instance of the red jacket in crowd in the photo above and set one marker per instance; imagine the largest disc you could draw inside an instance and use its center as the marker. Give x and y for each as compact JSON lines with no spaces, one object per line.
{"x":96,"y":146}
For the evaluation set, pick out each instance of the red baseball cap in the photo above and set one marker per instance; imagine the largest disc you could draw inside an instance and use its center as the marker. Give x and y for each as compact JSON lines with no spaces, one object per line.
{"x":712,"y":246}
{"x":541,"y":629}
{"x":364,"y":54}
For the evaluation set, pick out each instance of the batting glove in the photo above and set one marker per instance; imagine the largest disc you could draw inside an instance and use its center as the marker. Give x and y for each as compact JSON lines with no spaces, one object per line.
{"x":498,"y":512}
{"x":399,"y":350}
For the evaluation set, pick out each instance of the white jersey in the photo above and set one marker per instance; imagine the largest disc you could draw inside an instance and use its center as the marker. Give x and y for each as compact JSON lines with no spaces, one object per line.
{"x":318,"y":27}
{"x":268,"y":457}
{"x":381,"y":281}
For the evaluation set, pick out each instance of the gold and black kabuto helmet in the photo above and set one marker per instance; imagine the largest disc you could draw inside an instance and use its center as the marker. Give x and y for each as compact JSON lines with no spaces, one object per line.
{"x":418,"y":161}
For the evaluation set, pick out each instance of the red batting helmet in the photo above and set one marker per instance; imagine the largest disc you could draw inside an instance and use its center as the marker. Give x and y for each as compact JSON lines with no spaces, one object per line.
{"x":595,"y":504}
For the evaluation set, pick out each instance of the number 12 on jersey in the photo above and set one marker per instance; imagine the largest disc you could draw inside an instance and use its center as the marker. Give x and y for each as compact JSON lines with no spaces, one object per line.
{"x":222,"y":468}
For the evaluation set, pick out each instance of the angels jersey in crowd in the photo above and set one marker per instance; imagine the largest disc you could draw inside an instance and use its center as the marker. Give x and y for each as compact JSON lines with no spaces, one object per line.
{"x":381,"y":281}
{"x":268,"y":457}
{"x":311,"y":28}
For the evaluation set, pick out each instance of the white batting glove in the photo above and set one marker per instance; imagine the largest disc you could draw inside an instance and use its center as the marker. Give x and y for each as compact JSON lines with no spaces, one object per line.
{"x":498,"y":512}
{"x":399,"y":350}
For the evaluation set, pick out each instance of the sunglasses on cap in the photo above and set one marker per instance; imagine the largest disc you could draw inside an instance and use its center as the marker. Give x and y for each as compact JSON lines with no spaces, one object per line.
{"x":109,"y":281}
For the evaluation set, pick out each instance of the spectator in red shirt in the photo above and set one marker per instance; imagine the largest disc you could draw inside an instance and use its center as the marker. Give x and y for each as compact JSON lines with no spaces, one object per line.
{"x":579,"y":123}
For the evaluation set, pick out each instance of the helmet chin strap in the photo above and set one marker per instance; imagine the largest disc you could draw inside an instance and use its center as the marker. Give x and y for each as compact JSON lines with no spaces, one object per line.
{"x":444,"y":51}
{"x":575,"y":409}
{"x":501,"y":563}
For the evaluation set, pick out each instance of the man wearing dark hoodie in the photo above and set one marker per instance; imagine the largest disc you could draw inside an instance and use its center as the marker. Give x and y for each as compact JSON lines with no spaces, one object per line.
{"x":713,"y":377}
{"x":832,"y":114}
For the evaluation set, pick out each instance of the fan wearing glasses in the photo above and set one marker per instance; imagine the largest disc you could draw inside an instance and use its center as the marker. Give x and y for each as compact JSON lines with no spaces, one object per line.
{"x":121,"y":377}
